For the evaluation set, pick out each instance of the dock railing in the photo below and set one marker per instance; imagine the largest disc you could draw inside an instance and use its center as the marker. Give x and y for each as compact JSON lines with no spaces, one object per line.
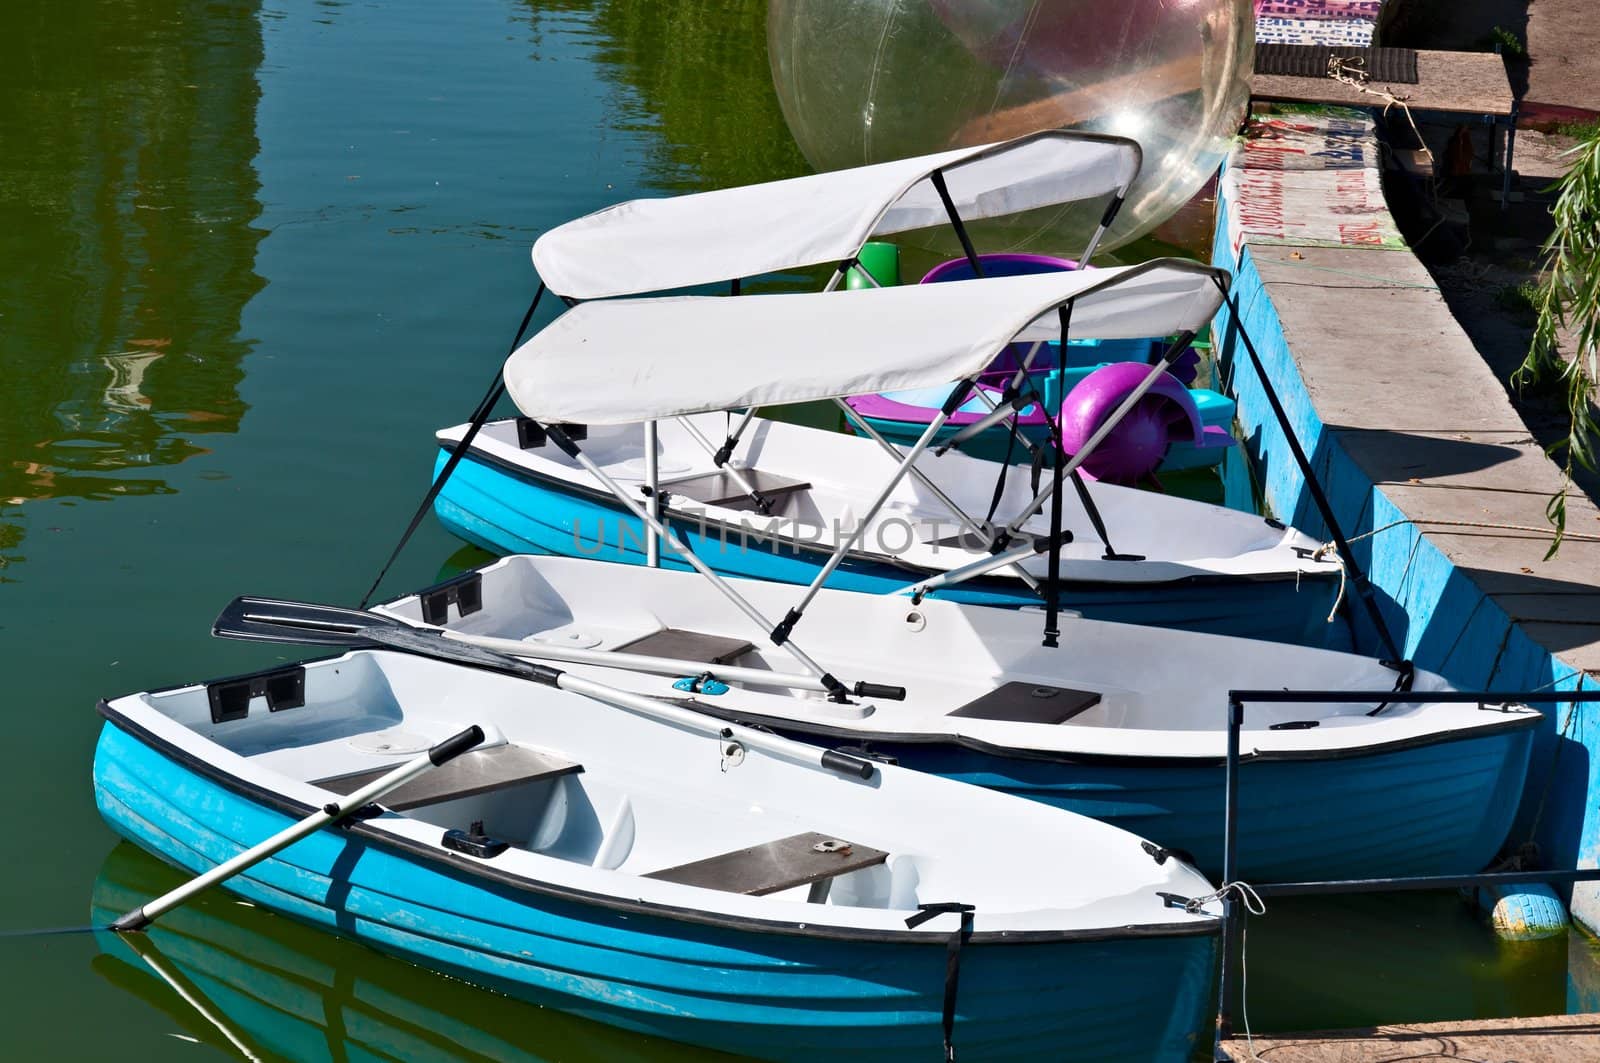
{"x":1238,"y":699}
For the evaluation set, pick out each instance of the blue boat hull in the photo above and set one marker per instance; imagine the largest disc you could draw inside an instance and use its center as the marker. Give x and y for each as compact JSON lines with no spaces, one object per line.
{"x":511,"y":512}
{"x":1431,"y":809}
{"x":777,"y":993}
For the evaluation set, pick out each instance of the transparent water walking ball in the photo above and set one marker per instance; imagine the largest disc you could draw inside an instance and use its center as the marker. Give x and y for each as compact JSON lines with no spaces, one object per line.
{"x":863,"y":81}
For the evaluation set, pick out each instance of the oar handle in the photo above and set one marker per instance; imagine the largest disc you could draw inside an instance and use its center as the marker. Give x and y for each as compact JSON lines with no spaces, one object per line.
{"x":442,"y":753}
{"x":455,"y":745}
{"x":777,"y":745}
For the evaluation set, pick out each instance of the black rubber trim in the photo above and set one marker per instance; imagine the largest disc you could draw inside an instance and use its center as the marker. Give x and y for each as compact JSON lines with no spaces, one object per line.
{"x":832,"y":734}
{"x":797,"y":548}
{"x":468,"y":867}
{"x":845,"y":764}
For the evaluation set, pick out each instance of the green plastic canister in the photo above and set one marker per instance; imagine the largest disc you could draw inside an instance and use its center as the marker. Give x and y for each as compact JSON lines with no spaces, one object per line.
{"x":880,"y":259}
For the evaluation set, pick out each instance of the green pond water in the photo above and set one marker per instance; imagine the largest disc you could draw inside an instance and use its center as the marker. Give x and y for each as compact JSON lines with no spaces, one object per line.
{"x":253,"y":253}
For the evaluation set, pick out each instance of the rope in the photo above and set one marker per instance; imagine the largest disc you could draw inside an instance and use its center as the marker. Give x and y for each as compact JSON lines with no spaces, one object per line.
{"x":1328,"y":551}
{"x":1244,"y":986}
{"x":1253,"y":905}
{"x":1489,"y":525}
{"x":1243,"y":890}
{"x":1353,"y":72}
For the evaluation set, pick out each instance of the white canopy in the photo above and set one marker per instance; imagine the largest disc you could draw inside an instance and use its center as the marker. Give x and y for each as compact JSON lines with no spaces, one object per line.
{"x":656,"y":245}
{"x":627,"y":360}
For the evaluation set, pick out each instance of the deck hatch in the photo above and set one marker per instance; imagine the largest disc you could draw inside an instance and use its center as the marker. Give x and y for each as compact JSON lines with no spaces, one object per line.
{"x":685,"y":645}
{"x":1029,"y":703}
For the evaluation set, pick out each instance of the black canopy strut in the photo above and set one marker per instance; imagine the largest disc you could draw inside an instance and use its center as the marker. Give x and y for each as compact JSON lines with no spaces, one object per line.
{"x":480,"y":417}
{"x":1357,"y":575}
{"x":1052,"y":596}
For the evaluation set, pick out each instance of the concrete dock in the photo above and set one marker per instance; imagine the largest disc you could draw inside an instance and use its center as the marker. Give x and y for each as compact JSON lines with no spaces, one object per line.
{"x":1550,"y":1039}
{"x":1424,"y":458}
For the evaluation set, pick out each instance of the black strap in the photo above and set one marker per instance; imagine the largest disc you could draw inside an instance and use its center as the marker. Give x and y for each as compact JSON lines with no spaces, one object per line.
{"x":937,"y":177}
{"x":1005,"y":466}
{"x":479,"y":417}
{"x":1406,"y":674}
{"x":952,"y":962}
{"x":1052,"y":598}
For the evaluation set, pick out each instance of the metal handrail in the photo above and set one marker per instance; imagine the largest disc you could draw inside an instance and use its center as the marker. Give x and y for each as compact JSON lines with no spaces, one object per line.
{"x":1237,"y":699}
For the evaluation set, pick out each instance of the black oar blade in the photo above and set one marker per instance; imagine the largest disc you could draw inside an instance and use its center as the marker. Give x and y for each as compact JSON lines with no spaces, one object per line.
{"x":299,"y":623}
{"x":429,"y":644}
{"x":310,"y":624}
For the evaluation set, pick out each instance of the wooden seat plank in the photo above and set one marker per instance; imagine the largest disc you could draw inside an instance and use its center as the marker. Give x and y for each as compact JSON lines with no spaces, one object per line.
{"x":775,"y":866}
{"x":721,"y":489}
{"x":686,"y":645}
{"x":478,"y":772}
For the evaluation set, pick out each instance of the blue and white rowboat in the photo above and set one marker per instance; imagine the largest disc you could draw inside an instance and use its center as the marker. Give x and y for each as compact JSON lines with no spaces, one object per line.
{"x":1183,"y":564}
{"x":654,"y":382}
{"x":1122,"y":723}
{"x":714,"y":886}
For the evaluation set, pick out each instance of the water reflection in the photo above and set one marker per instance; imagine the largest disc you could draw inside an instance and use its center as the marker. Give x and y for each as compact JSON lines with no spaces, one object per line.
{"x":696,"y":75}
{"x":256,"y":984}
{"x":127,"y":197}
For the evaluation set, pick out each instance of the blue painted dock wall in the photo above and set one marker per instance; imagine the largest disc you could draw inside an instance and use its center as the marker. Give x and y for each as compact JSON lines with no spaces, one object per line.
{"x":1446,"y":621}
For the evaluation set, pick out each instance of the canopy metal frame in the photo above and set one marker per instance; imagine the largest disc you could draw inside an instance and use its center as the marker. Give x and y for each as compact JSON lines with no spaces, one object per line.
{"x":853,"y":263}
{"x":999,"y":539}
{"x":780,"y":633}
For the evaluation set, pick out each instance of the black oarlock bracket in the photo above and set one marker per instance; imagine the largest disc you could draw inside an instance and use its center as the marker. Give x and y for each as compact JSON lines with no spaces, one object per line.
{"x":663,"y":497}
{"x":530,"y":434}
{"x":785,"y":627}
{"x":465,"y":592}
{"x":474,"y":842}
{"x":1161,"y":854}
{"x":283,"y":688}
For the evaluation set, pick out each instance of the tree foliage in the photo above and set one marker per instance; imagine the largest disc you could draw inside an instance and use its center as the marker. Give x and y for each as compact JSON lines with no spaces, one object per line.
{"x":1568,"y":300}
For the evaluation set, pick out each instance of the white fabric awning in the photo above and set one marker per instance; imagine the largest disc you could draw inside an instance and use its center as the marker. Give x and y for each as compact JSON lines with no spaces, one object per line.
{"x":626,"y":360}
{"x":656,"y":245}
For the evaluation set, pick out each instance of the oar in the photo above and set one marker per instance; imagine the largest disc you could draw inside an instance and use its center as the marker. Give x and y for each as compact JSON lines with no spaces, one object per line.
{"x":305,"y":623}
{"x":248,"y":616}
{"x":191,"y":995}
{"x":444,"y":752}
